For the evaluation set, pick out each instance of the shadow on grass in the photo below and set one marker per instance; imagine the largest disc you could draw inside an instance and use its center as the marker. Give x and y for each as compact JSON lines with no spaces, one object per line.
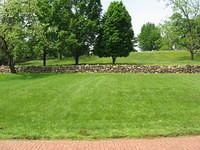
{"x":92,"y":64}
{"x":184,"y":58}
{"x":9,"y":77}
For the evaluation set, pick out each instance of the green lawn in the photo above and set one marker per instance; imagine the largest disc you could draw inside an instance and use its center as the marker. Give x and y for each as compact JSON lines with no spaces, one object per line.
{"x":85,"y":106}
{"x":144,"y":58}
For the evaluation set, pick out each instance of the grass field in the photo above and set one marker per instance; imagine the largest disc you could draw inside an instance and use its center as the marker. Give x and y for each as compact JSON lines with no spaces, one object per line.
{"x":144,"y":58}
{"x":85,"y":106}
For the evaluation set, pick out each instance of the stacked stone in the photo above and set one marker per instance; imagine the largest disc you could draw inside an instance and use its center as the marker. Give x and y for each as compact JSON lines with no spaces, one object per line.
{"x":190,"y":69}
{"x":4,"y":69}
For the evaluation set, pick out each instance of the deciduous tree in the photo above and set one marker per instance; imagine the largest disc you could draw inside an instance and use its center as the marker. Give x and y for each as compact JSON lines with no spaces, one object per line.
{"x":12,"y":34}
{"x":149,"y":38}
{"x":170,"y":37}
{"x":187,"y":23}
{"x":84,"y":24}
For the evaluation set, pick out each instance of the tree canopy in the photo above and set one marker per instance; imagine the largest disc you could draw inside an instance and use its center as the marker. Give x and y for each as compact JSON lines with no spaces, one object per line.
{"x":45,"y":28}
{"x":170,"y":36}
{"x":116,"y":36}
{"x":149,"y":37}
{"x":83,"y":27}
{"x":14,"y":29}
{"x":186,"y":21}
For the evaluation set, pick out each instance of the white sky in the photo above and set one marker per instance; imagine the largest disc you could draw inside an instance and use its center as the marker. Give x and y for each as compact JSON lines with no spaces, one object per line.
{"x":143,"y":11}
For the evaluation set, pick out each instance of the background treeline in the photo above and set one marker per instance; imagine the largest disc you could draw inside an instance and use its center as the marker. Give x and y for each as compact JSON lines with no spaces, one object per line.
{"x":180,"y":31}
{"x":35,"y":29}
{"x":173,"y":34}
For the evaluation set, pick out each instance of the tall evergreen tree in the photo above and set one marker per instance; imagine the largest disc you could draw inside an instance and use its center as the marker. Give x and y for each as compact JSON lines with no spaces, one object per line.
{"x":116,"y":38}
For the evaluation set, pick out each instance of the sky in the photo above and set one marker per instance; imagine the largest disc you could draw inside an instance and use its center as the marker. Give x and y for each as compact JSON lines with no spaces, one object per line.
{"x":143,"y":11}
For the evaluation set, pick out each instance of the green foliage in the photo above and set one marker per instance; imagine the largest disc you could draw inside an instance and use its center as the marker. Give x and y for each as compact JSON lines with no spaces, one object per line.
{"x":186,"y":21}
{"x":116,"y":37}
{"x":49,"y":20}
{"x":83,"y":27}
{"x":149,"y":38}
{"x":18,"y":29}
{"x":13,"y":33}
{"x":41,"y":28}
{"x":170,"y":36}
{"x":54,"y":15}
{"x":11,"y":25}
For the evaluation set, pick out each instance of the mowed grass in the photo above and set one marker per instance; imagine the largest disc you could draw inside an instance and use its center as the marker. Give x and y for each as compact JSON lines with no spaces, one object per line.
{"x":88,"y":106}
{"x":141,"y":58}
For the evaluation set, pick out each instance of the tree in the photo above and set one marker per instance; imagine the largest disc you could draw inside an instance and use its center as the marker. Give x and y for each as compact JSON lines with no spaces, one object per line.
{"x":188,"y":24}
{"x":54,"y":18}
{"x":17,"y":24}
{"x":116,"y":36}
{"x":12,"y":33}
{"x":83,"y":28}
{"x":62,"y":14}
{"x":149,"y":38}
{"x":170,"y":35}
{"x":46,"y":16}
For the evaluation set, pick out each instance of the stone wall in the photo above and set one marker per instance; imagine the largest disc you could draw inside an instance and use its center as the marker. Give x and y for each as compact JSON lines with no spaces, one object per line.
{"x":104,"y":69}
{"x":4,"y":69}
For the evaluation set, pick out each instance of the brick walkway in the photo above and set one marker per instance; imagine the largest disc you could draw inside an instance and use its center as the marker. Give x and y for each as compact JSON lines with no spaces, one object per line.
{"x":182,"y":143}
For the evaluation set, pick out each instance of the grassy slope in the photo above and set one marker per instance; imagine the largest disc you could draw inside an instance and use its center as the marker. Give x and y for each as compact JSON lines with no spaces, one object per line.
{"x":145,"y":58}
{"x":98,"y":105}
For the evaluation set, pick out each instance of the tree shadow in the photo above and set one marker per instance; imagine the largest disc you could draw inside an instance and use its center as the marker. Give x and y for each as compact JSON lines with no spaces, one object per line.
{"x":96,"y":64}
{"x":184,"y":58}
{"x":27,"y":76}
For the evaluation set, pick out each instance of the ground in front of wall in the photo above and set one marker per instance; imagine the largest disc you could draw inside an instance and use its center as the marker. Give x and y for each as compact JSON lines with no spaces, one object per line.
{"x":96,"y":106}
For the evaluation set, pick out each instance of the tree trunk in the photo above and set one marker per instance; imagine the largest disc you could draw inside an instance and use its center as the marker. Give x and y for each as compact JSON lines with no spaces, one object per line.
{"x":44,"y":58}
{"x":192,"y":55}
{"x":76,"y":60}
{"x":11,"y":65}
{"x":113,"y":60}
{"x":7,"y":51}
{"x":59,"y":56}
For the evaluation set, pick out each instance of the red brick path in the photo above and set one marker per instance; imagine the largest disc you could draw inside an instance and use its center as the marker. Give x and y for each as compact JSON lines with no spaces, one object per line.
{"x":182,"y":143}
